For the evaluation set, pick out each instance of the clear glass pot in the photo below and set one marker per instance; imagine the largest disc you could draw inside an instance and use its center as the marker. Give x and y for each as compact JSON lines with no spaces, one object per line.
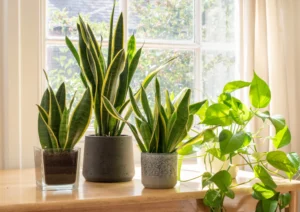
{"x":57,"y":169}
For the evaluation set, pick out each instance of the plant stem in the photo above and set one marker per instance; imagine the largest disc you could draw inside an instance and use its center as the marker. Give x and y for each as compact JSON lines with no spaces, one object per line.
{"x":191,"y":179}
{"x":248,"y":181}
{"x":272,"y":171}
{"x":248,"y":163}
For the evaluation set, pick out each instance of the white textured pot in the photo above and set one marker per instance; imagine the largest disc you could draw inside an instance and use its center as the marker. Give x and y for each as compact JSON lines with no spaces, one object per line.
{"x":217,"y":164}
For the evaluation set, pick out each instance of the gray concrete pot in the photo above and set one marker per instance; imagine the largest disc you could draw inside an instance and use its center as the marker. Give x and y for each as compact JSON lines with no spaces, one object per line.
{"x":159,"y":170}
{"x":108,"y":159}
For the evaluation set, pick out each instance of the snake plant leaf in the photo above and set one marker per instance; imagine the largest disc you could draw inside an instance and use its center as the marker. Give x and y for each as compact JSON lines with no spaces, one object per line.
{"x":260,"y":94}
{"x":113,"y":112}
{"x":80,"y":119}
{"x":163,"y":133}
{"x":63,"y":129}
{"x":131,"y":48}
{"x":42,"y":128}
{"x":109,"y":87}
{"x":85,"y":67}
{"x":72,"y":101}
{"x":122,"y":87}
{"x":145,"y":132}
{"x":61,"y":96}
{"x":169,"y":106}
{"x":73,"y":50}
{"x":179,"y":97}
{"x":182,"y":118}
{"x":84,"y":32}
{"x":135,"y":107}
{"x":54,"y":142}
{"x":194,"y":108}
{"x":93,"y":68}
{"x":110,"y":39}
{"x":43,"y":113}
{"x":102,"y":63}
{"x":133,"y":64}
{"x":94,"y":40}
{"x":146,"y":106}
{"x":54,"y":113}
{"x":118,"y":38}
{"x":235,"y":85}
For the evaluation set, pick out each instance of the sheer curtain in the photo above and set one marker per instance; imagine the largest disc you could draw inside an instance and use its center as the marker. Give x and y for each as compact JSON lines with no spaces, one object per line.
{"x":268,"y":44}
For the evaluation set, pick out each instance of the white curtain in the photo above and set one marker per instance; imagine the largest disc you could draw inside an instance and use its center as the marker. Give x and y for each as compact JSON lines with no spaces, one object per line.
{"x":269,"y":44}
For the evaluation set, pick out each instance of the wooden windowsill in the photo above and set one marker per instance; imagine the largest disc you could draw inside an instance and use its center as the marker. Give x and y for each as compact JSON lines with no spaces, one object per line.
{"x":18,"y":192}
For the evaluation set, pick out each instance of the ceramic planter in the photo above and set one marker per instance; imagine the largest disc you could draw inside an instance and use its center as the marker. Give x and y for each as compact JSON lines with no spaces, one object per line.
{"x":159,"y":170}
{"x":108,"y":159}
{"x":57,"y":169}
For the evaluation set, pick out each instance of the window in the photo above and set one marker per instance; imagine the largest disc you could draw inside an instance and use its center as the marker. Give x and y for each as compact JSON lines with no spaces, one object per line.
{"x":200,"y":32}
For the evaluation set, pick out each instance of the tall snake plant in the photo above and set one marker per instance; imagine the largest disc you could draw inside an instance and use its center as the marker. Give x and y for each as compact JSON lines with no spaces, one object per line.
{"x":58,"y":127}
{"x":112,"y":78}
{"x":165,"y":128}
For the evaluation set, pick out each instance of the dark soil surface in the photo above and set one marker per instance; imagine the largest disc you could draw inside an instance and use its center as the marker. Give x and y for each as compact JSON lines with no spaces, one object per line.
{"x":60,"y":167}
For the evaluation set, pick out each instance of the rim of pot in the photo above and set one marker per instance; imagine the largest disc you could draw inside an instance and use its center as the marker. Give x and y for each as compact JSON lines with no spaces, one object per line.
{"x":93,"y":136}
{"x":154,"y":153}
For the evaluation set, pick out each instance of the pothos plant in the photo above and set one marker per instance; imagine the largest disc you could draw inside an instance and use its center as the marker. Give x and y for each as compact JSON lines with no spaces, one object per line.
{"x":233,"y":137}
{"x":110,"y":78}
{"x":163,"y":128}
{"x":59,"y":127}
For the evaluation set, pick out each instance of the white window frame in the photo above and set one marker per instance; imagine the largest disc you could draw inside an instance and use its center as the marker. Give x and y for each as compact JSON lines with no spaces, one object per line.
{"x":22,"y":58}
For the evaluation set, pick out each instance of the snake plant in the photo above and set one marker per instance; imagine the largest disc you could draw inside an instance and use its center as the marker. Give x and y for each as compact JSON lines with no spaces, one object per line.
{"x":58,"y":127}
{"x":109,"y":78}
{"x":164,"y":128}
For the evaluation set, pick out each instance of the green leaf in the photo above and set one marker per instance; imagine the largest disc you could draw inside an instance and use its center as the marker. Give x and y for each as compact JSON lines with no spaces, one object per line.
{"x":201,"y":113}
{"x":269,"y":205}
{"x":169,"y":106}
{"x":118,"y":38}
{"x":205,"y":179}
{"x":113,"y":112}
{"x":182,"y":118}
{"x":109,"y":86}
{"x":42,"y":128}
{"x":235,"y":85}
{"x":80,"y":119}
{"x":230,"y":144}
{"x":284,"y":200}
{"x":279,"y":160}
{"x":131,"y":48}
{"x":54,"y":142}
{"x":282,"y":138}
{"x":208,"y":135}
{"x":278,"y":122}
{"x":73,"y":50}
{"x":135,"y":107}
{"x":94,"y":41}
{"x":194,"y":108}
{"x":217,"y":114}
{"x":263,"y":191}
{"x":54,"y":114}
{"x":61,"y":96}
{"x":216,"y":153}
{"x":63,"y":130}
{"x":260,"y":94}
{"x":213,"y":198}
{"x":264,"y":176}
{"x":230,"y":194}
{"x":222,"y":180}
{"x":146,"y":106}
{"x":133,"y":64}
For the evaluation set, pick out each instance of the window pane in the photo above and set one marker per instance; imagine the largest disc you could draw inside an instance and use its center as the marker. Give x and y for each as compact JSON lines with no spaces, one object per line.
{"x":218,"y":21}
{"x":62,"y":67}
{"x":63,"y":14}
{"x":174,"y":77}
{"x":161,"y":20}
{"x":218,"y":67}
